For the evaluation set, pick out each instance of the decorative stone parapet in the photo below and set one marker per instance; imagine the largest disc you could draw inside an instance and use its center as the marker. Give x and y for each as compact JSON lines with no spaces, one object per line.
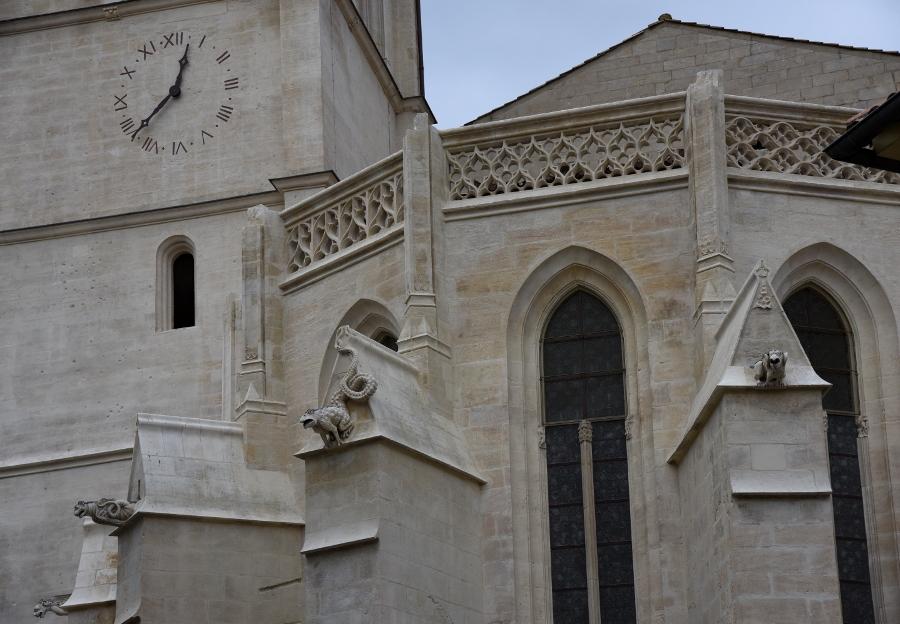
{"x":782,"y":137}
{"x":615,"y":143}
{"x":346,"y":214}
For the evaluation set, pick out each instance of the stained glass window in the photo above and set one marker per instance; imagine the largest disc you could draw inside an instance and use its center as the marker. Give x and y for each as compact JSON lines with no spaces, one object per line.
{"x":584,"y":380}
{"x":826,"y":340}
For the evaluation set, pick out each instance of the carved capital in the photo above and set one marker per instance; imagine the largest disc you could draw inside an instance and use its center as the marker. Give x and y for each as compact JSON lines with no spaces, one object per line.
{"x":862,"y":427}
{"x":105,"y":511}
{"x":710,"y":245}
{"x":585,"y":431}
{"x":542,"y":439}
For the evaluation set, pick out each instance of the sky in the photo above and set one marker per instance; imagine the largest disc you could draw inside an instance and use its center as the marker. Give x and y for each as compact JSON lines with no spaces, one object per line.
{"x":482,"y":53}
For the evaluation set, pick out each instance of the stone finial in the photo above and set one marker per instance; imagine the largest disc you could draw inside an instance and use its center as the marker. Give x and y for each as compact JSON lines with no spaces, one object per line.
{"x":333,"y":421}
{"x":664,"y":17}
{"x":107,"y":511}
{"x":49,"y":605}
{"x":769,"y":369}
{"x":761,"y":270}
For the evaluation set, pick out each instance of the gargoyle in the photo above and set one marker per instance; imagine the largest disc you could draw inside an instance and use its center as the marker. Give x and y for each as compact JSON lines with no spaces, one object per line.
{"x":332,"y":421}
{"x":51,"y":605}
{"x":769,"y":369}
{"x":105,"y":511}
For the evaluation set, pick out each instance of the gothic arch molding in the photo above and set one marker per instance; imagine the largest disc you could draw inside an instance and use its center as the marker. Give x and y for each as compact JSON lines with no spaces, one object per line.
{"x":368,"y":317}
{"x":551,"y":281}
{"x":868,"y":312}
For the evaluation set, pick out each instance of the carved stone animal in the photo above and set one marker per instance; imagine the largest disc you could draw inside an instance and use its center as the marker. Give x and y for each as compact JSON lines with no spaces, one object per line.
{"x":769,"y":369}
{"x":105,"y":511}
{"x":49,"y":605}
{"x":332,"y":421}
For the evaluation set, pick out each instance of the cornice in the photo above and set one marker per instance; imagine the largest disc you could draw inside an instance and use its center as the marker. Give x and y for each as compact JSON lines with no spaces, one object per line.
{"x":76,"y":459}
{"x":101,"y":12}
{"x":138,"y":219}
{"x":808,"y":186}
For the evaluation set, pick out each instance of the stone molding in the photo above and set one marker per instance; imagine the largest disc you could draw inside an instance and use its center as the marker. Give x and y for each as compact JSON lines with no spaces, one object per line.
{"x":65,"y":461}
{"x":98,"y":13}
{"x":140,"y":218}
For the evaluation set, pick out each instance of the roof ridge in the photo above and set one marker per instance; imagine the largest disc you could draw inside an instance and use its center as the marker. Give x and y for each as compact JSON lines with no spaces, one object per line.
{"x":666,"y":18}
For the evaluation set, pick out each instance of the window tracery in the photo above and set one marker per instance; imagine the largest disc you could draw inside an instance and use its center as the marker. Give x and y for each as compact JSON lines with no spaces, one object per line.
{"x":587,"y":466}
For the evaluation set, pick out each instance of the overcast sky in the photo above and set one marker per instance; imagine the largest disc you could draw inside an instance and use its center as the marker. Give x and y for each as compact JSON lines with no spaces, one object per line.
{"x":482,"y":53}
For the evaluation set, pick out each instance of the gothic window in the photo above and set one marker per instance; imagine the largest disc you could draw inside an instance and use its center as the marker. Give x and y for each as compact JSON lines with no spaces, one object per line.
{"x":827,"y":343}
{"x":175,"y":288}
{"x":583,"y":380}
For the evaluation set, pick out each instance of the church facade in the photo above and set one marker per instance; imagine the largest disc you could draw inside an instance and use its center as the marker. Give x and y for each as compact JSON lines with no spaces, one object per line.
{"x":624,"y":349}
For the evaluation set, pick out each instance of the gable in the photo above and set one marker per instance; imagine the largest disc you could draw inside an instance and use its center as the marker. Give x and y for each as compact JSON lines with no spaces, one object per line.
{"x":666,"y":56}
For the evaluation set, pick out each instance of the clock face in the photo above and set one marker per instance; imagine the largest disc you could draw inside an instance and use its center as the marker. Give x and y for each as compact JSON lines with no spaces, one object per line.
{"x":176,"y":94}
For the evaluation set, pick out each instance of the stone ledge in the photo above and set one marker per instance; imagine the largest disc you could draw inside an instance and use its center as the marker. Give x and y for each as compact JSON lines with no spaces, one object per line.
{"x":340,"y":537}
{"x":77,"y":459}
{"x":809,"y":186}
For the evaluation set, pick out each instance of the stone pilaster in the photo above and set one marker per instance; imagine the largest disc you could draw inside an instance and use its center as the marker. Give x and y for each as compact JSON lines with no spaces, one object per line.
{"x":423,"y":335}
{"x":261,"y":408}
{"x":705,"y":134}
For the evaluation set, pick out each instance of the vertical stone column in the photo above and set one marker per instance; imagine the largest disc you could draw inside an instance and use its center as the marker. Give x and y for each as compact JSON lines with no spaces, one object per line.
{"x":585,"y":443}
{"x":705,"y":134}
{"x":424,"y":193}
{"x":261,"y":409}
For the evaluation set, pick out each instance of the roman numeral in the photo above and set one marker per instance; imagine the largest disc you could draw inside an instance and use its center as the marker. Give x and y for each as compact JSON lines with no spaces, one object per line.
{"x":223,"y":57}
{"x":201,"y":42}
{"x":127,"y":72}
{"x":224,"y":112}
{"x":178,"y":147}
{"x":172,"y":39}
{"x":203,"y":135}
{"x":147,"y":52}
{"x":120,"y":104}
{"x":150,"y":145}
{"x":231,"y":83}
{"x":127,"y":125}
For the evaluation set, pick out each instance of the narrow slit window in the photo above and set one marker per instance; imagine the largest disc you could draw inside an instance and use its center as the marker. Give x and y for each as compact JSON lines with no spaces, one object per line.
{"x":183,"y":291}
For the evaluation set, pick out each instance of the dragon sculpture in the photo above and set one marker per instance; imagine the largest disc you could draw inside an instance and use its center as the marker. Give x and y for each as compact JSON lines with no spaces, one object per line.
{"x":332,"y":421}
{"x":105,"y":511}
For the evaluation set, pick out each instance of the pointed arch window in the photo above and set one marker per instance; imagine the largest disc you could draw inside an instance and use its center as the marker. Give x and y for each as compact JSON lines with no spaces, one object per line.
{"x":175,"y":287}
{"x":828,"y":344}
{"x":583,"y":381}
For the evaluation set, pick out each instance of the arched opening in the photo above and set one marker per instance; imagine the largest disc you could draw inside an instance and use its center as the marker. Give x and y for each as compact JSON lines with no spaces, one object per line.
{"x":183,"y":291}
{"x":386,"y":339}
{"x":175,"y":284}
{"x":583,"y":381}
{"x":825,"y":337}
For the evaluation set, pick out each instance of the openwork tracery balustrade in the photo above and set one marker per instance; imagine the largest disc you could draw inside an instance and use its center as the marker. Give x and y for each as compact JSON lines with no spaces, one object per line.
{"x":567,"y":157}
{"x":372,"y":203}
{"x":786,"y":147}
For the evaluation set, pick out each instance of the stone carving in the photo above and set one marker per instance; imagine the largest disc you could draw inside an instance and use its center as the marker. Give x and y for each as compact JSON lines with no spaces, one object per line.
{"x":249,"y":355}
{"x":585,"y":431}
{"x":332,"y":421}
{"x":769,"y":369}
{"x":49,"y":605}
{"x":570,"y":157}
{"x":542,"y":437}
{"x":711,"y":245}
{"x":782,"y":147}
{"x":862,"y":427}
{"x":105,"y":511}
{"x":348,"y":222}
{"x":629,"y":426}
{"x":763,"y":298}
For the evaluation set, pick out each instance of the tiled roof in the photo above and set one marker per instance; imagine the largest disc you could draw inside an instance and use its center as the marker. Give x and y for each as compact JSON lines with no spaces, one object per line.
{"x":665,"y":18}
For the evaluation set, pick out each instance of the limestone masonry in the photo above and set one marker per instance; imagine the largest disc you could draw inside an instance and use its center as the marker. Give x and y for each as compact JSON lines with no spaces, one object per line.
{"x":278,"y":350}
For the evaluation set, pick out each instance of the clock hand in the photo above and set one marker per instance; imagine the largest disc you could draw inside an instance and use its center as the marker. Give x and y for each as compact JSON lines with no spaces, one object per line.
{"x":146,"y":122}
{"x":174,"y":92}
{"x":175,"y":89}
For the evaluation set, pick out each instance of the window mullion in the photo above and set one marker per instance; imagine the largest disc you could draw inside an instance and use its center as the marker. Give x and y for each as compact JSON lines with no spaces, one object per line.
{"x":585,"y":441}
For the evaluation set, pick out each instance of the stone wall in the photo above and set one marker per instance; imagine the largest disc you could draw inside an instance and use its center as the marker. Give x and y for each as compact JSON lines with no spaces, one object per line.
{"x":666,"y":57}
